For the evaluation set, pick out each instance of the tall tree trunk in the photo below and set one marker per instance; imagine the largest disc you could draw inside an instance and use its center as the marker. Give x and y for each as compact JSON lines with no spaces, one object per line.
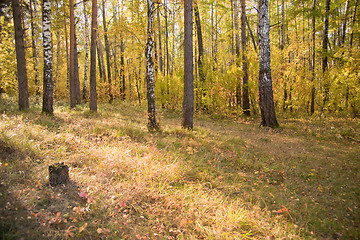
{"x":122,"y":67}
{"x":107,"y":50}
{"x":251,"y":34}
{"x":76,"y":68}
{"x":325,"y":44}
{"x":72,"y":55}
{"x":282,"y":45}
{"x":20,"y":57}
{"x":353,"y":25}
{"x":48,"y":81}
{"x":201,"y":53}
{"x":343,"y":34}
{"x":93,"y":94}
{"x":167,"y":40}
{"x":188,"y":103}
{"x":152,"y":122}
{"x":84,"y":97}
{"x":57,"y":48}
{"x":312,"y":103}
{"x":67,"y":49}
{"x":35,"y":54}
{"x":268,"y":117}
{"x":159,"y":35}
{"x":101,"y":59}
{"x":237,"y":51}
{"x":245,"y":87}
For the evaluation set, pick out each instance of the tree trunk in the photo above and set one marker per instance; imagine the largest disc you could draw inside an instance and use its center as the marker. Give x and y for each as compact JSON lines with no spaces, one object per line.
{"x":201,"y":54}
{"x":101,"y":60}
{"x":20,"y":57}
{"x":159,"y":35}
{"x":268,"y":117}
{"x":167,"y":41}
{"x":122,"y":68}
{"x":152,"y":122}
{"x":237,"y":51}
{"x":251,"y":34}
{"x":76,"y":68}
{"x":188,"y":103}
{"x":93,"y":94}
{"x":35,"y":53}
{"x":107,"y":51}
{"x":57,"y":49}
{"x":353,"y":25}
{"x":312,"y":103}
{"x":84,"y":97}
{"x":72,"y":55}
{"x":67,"y":50}
{"x":345,"y":22}
{"x":48,"y":81}
{"x":325,"y":44}
{"x":245,"y":87}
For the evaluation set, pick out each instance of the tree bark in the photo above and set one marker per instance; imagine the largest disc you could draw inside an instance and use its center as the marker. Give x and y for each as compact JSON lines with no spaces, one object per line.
{"x":72,"y":56}
{"x":107,"y":51}
{"x":312,"y":103}
{"x":167,"y":40}
{"x":101,"y":60}
{"x":35,"y":53}
{"x":152,"y":122}
{"x":93,"y":94}
{"x":76,"y":72}
{"x":237,"y":51}
{"x":188,"y":103}
{"x":325,"y":44}
{"x":159,"y":36}
{"x":122,"y":68}
{"x":67,"y":50}
{"x":84,"y":92}
{"x":48,"y":81}
{"x":20,"y":57}
{"x":57,"y":49}
{"x":268,"y":117}
{"x":201,"y":53}
{"x":245,"y":87}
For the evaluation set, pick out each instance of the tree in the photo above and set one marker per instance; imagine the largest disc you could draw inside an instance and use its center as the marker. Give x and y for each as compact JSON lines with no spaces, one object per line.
{"x":20,"y":57}
{"x":72,"y":56}
{"x":188,"y":103}
{"x":35,"y":54}
{"x":312,"y":103}
{"x":107,"y":50}
{"x":245,"y":87}
{"x":47,"y":79}
{"x":201,"y":51}
{"x":266,"y":101}
{"x":86,"y":53}
{"x":93,"y":94}
{"x":237,"y":50}
{"x":152,"y":122}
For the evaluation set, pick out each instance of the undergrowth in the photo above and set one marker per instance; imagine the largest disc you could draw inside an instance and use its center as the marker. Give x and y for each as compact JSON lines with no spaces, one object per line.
{"x":227,"y":179}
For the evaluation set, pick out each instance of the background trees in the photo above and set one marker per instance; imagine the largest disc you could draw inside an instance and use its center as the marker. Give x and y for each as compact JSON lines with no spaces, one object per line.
{"x":300,"y":85}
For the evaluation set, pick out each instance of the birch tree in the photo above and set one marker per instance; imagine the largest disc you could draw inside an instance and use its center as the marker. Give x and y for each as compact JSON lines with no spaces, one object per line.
{"x":47,"y":78}
{"x":245,"y":79}
{"x":93,"y":94}
{"x":266,"y":101}
{"x":86,"y":53}
{"x":152,"y":122}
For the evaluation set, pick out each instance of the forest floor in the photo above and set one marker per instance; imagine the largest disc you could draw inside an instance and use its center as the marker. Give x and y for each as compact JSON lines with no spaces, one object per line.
{"x":227,"y":179}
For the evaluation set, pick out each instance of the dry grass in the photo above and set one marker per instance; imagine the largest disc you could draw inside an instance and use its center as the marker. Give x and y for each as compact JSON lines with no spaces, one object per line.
{"x":224,"y":180}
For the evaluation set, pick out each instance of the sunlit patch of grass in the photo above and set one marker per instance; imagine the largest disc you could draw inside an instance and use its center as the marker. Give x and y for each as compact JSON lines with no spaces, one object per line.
{"x":223,"y":180}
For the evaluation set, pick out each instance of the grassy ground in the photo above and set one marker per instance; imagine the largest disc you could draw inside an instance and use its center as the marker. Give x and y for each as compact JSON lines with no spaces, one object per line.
{"x":224,"y":180}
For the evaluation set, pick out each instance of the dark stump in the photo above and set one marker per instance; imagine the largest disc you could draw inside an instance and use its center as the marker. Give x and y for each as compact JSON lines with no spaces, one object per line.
{"x":58,"y":174}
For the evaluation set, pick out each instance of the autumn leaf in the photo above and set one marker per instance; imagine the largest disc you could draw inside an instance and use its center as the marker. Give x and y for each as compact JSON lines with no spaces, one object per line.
{"x":82,"y":194}
{"x":122,"y":204}
{"x":82,"y":228}
{"x":69,"y":232}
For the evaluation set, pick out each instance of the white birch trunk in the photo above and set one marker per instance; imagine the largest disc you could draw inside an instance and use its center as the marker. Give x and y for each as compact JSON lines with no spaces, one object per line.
{"x":47,"y":82}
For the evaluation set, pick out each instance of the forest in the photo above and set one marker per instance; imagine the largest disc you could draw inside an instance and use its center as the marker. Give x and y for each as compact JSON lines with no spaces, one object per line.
{"x":192,"y":119}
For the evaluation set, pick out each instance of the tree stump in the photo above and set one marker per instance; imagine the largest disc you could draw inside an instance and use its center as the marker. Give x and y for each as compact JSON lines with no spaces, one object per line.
{"x":58,"y":174}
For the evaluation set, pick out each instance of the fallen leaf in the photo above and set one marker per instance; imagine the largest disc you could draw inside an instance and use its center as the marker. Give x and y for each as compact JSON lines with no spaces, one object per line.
{"x":82,"y":228}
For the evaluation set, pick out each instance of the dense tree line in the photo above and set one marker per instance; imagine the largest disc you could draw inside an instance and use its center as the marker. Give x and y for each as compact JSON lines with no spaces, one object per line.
{"x":222,"y":65}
